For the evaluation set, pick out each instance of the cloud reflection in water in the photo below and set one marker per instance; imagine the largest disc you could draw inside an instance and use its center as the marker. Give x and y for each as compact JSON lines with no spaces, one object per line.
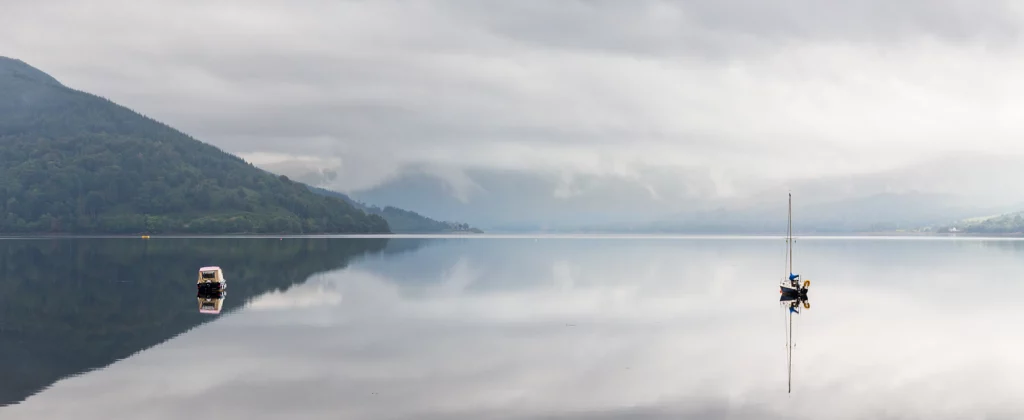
{"x":568,"y":329}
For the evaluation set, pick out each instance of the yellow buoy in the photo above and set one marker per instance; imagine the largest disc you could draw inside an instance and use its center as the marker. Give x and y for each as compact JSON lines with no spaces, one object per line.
{"x":807,"y":305}
{"x":145,"y":236}
{"x":807,"y":283}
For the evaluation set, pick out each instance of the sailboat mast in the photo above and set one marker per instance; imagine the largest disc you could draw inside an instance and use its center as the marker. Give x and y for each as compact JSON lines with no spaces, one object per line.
{"x":789,"y":236}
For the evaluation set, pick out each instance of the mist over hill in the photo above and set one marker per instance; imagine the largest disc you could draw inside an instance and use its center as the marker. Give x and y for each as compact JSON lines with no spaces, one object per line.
{"x":929,"y":193}
{"x":401,"y":220}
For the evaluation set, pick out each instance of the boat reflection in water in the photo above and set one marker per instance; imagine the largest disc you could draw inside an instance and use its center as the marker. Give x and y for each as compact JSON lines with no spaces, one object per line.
{"x":211,"y":302}
{"x":211,"y":290}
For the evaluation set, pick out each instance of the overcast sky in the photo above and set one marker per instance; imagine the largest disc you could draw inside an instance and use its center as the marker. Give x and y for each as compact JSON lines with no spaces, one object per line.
{"x":746,"y":88}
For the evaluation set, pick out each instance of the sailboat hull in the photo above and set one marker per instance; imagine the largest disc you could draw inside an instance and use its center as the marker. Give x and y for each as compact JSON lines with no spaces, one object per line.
{"x":792,"y":290}
{"x":789,"y":293}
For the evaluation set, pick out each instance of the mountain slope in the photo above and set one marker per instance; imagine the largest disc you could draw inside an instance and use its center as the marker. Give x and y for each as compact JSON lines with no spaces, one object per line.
{"x":76,"y":163}
{"x":400,"y":220}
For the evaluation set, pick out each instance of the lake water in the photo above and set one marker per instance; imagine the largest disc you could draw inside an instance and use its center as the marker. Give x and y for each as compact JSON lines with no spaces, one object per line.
{"x":510,"y":328}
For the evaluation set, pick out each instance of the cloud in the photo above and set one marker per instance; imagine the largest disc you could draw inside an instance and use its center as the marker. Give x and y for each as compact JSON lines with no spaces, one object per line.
{"x":746,"y":89}
{"x":733,"y":26}
{"x":312,"y":293}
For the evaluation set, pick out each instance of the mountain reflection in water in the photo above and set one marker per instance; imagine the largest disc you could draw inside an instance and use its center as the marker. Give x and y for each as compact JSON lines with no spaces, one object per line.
{"x":69,"y":306}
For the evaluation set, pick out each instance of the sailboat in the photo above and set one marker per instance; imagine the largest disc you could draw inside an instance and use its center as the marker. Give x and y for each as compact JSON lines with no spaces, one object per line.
{"x":790,"y":286}
{"x":793,"y":294}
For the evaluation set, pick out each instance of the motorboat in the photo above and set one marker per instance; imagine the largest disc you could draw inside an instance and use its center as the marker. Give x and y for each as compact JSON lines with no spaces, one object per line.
{"x":211,"y":279}
{"x":211,"y":289}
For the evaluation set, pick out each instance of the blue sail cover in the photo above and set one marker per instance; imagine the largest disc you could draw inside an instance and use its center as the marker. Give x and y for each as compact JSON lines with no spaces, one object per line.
{"x":793,"y":310}
{"x":793,"y":276}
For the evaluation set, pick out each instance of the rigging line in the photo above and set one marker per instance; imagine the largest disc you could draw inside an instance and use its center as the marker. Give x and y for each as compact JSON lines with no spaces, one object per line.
{"x":789,"y":358}
{"x":793,"y":333}
{"x":785,"y":328}
{"x":792,"y":241}
{"x":785,"y":260}
{"x":785,"y":257}
{"x":788,"y":249}
{"x":789,"y":347}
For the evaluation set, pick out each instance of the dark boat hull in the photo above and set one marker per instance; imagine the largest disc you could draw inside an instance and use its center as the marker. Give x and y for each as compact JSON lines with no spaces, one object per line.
{"x":789,"y":293}
{"x":210,"y":290}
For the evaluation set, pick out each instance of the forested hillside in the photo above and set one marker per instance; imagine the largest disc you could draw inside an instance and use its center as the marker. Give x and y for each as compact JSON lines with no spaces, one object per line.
{"x":72,"y":162}
{"x":1004,"y":224}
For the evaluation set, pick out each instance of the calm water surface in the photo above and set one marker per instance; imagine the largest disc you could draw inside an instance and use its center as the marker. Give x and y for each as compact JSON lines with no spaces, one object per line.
{"x":518,"y":328}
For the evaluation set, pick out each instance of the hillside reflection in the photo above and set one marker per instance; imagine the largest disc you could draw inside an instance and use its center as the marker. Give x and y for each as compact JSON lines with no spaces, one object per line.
{"x":69,"y":306}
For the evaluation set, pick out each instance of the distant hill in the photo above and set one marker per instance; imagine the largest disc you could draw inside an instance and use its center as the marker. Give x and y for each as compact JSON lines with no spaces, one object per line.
{"x":519,"y":200}
{"x":880,"y":212}
{"x":73,"y":162}
{"x":400,"y":220}
{"x":1003,"y":224}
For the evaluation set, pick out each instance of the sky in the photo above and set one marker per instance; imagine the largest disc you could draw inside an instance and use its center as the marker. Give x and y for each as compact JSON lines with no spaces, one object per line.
{"x":743,"y":91}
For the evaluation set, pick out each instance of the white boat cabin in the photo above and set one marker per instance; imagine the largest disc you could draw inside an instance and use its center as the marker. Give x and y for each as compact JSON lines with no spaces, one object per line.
{"x":211,"y":274}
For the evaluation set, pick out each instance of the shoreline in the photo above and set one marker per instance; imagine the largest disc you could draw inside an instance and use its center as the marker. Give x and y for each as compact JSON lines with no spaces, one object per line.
{"x":530,"y":235}
{"x":219,"y":235}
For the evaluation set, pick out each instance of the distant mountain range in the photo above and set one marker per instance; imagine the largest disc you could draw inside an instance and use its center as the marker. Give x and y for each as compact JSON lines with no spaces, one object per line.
{"x":73,"y":162}
{"x":926,"y":195}
{"x":520,"y":201}
{"x":885,"y":212}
